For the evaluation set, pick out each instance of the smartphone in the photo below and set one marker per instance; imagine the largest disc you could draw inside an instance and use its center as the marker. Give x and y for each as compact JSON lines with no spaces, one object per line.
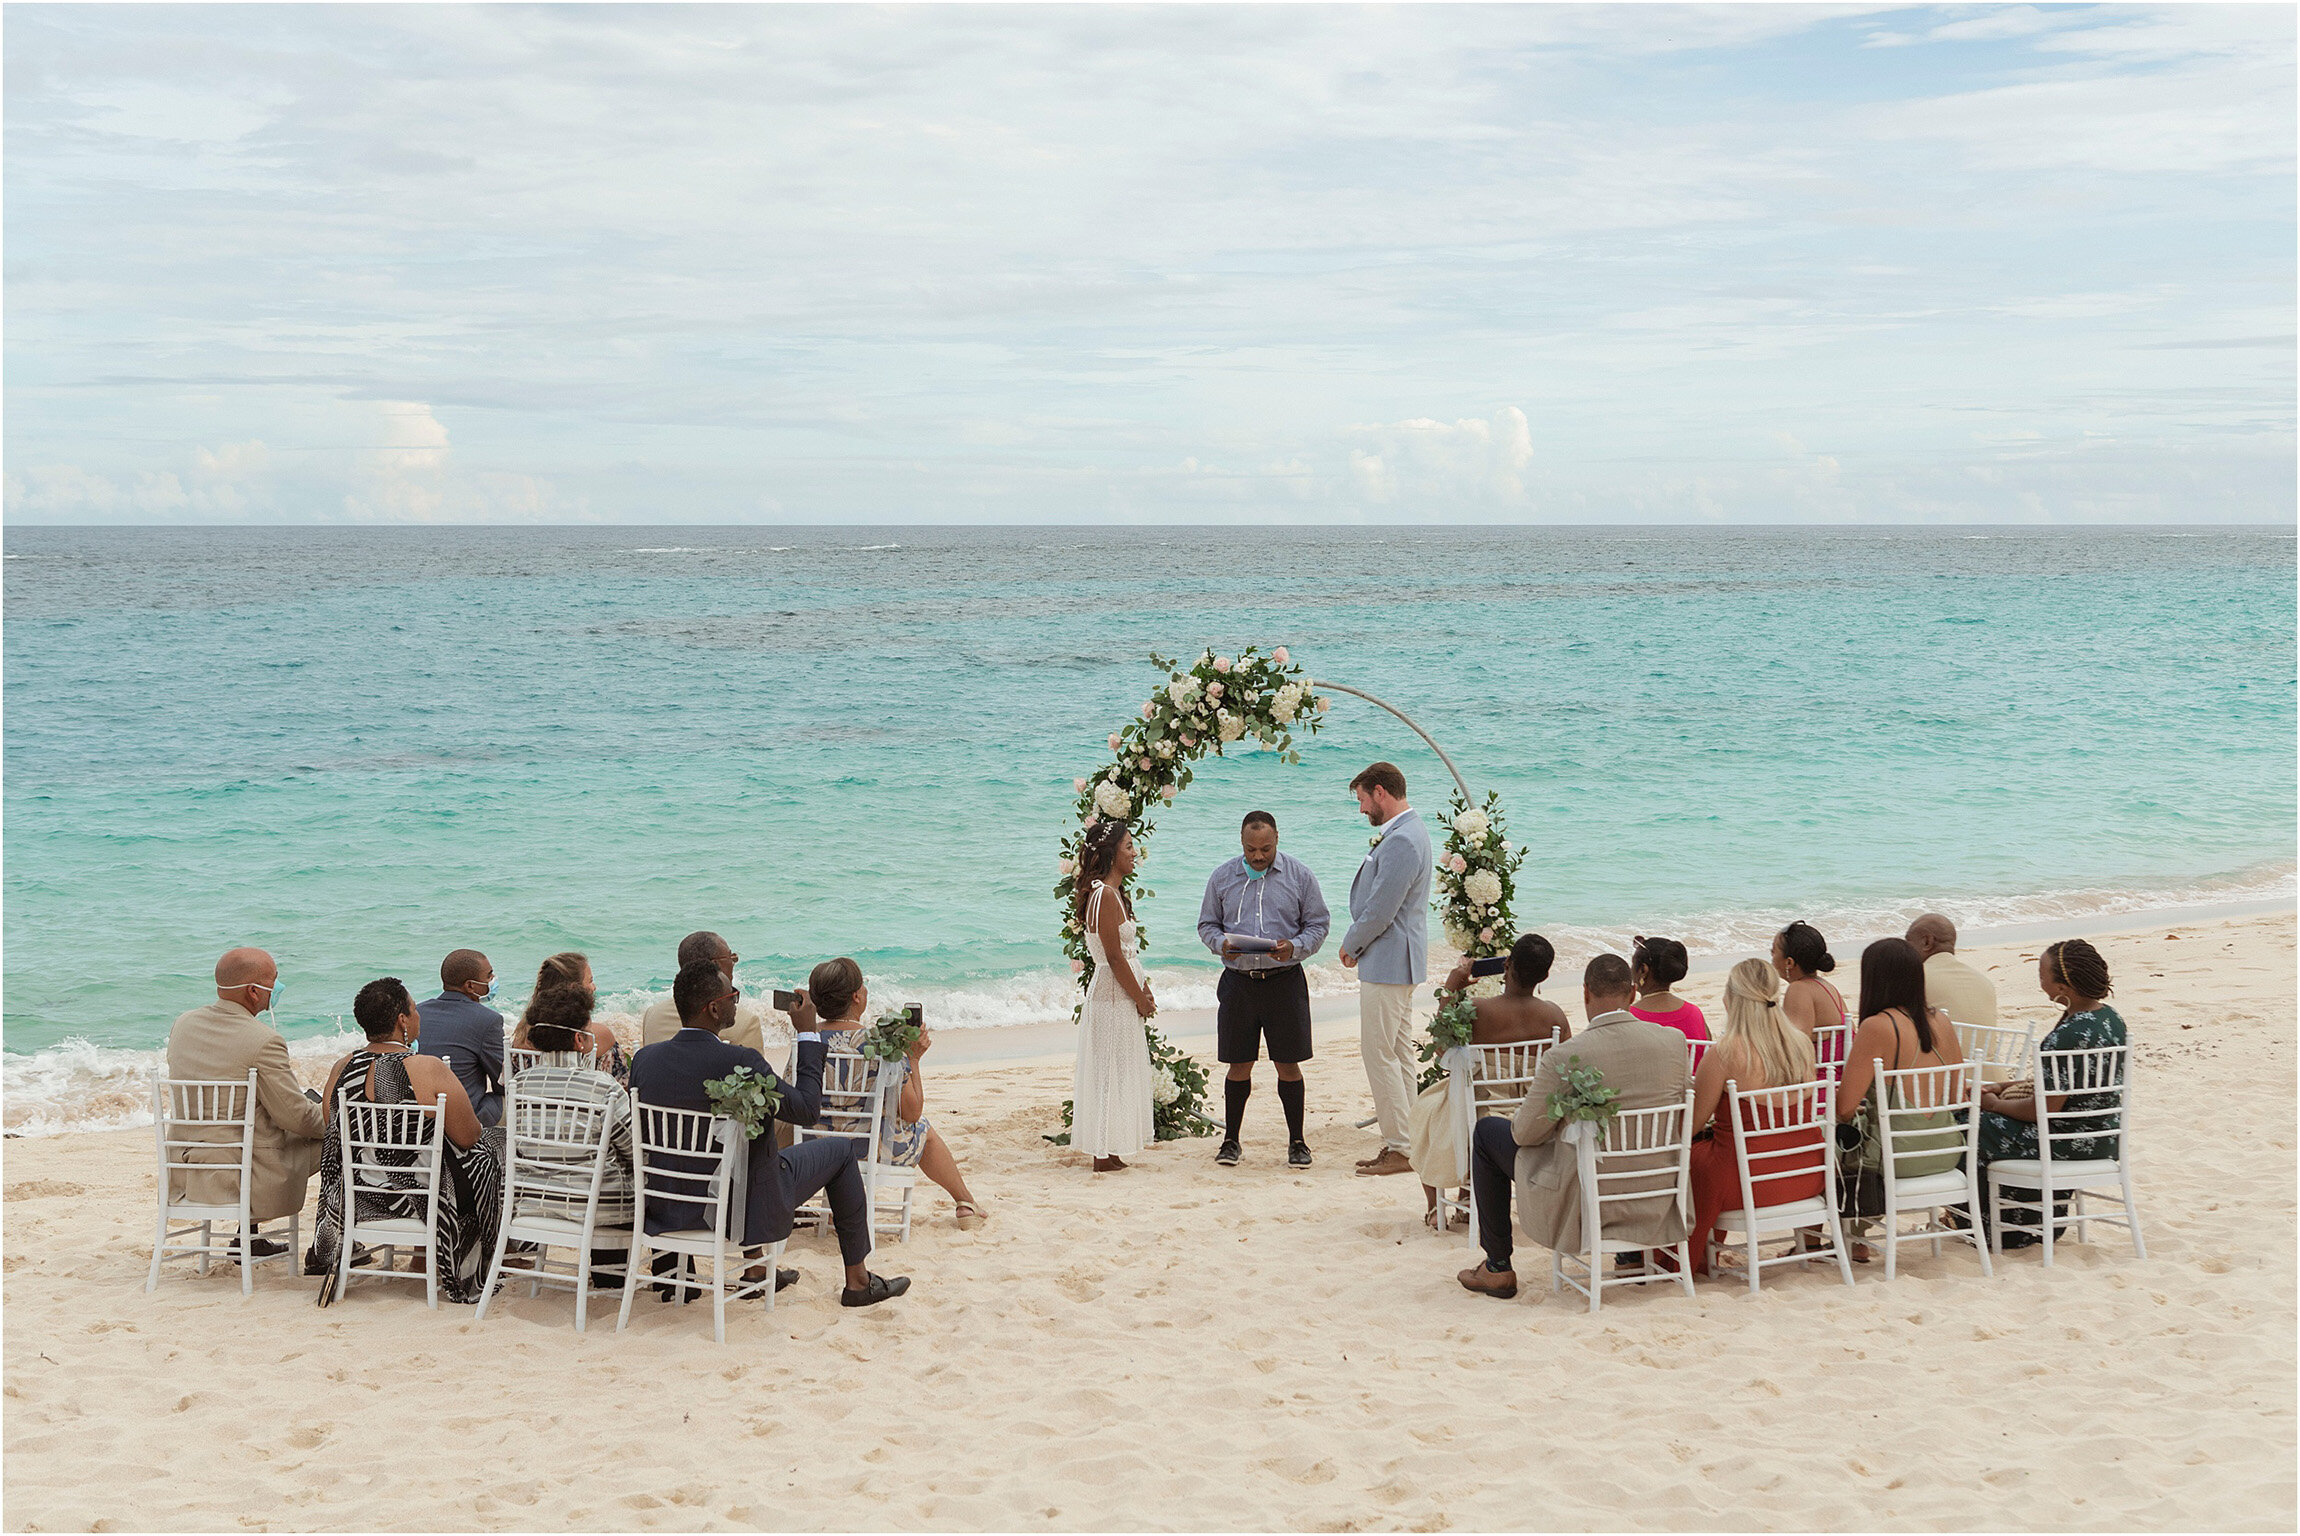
{"x":1492,"y":967}
{"x":785,"y":1001}
{"x":916,"y":1015}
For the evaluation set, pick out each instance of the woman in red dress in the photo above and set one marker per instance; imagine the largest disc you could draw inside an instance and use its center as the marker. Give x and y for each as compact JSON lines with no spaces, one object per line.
{"x":1759,"y":1048}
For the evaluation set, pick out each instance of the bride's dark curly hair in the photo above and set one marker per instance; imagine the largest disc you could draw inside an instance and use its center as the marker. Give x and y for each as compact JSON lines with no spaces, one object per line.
{"x":1097,"y":851}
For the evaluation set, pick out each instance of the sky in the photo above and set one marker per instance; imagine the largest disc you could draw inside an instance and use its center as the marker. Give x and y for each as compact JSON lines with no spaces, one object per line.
{"x":1206,"y":264}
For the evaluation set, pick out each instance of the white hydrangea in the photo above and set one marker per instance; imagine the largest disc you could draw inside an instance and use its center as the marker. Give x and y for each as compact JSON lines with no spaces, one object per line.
{"x":1486,"y":986}
{"x":1482,"y":886}
{"x":1459,"y":938}
{"x":1472,"y":825}
{"x":1112,"y":801}
{"x":1182,"y":690}
{"x":1231,"y":726}
{"x":1286,"y":703}
{"x":1164,"y":1090}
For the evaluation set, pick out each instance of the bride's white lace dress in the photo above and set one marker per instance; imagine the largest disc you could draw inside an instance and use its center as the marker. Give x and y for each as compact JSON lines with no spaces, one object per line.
{"x":1111,"y":1114}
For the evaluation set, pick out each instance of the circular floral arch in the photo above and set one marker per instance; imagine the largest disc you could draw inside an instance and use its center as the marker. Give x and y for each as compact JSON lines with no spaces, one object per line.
{"x":1264,"y":699}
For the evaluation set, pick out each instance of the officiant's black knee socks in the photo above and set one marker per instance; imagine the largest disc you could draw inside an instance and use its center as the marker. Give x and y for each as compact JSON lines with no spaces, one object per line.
{"x":1235,"y":1092}
{"x":1290,"y":1095}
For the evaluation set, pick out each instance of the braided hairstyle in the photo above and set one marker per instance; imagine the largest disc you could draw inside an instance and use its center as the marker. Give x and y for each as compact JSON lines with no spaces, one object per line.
{"x":1097,"y":851}
{"x":2080,"y":969}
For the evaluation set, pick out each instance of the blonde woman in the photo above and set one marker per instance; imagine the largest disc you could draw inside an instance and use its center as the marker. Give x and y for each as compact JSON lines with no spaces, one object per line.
{"x":1759,"y":1048}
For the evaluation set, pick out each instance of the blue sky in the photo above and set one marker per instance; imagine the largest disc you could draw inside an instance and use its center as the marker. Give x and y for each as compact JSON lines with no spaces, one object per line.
{"x":1051,"y":264}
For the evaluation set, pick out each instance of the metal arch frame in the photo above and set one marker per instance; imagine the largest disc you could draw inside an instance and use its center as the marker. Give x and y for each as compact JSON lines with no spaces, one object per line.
{"x":1460,"y":783}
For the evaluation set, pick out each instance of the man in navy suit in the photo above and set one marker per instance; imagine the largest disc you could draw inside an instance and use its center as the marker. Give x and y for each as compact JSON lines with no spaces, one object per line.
{"x":460,"y":1028}
{"x":671,"y":1074}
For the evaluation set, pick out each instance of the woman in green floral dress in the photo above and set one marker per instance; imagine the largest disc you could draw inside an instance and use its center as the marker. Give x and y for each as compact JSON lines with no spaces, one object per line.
{"x":2073,"y":975}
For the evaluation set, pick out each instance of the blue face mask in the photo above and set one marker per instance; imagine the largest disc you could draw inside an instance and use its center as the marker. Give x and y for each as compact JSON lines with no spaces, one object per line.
{"x":1255,"y":874}
{"x":488,"y":996}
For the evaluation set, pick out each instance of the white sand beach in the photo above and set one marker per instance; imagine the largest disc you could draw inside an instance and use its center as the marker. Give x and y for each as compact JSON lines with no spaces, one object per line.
{"x":1187,"y":1346}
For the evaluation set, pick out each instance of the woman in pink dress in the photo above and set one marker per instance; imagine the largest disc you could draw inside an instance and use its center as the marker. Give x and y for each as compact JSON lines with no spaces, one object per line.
{"x":1658,"y":965}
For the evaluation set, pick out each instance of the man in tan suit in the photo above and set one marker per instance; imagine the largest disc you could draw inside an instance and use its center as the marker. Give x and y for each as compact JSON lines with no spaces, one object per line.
{"x":752,"y":1016}
{"x":1647,"y":1063}
{"x":219,"y":1043}
{"x":1967,"y":996}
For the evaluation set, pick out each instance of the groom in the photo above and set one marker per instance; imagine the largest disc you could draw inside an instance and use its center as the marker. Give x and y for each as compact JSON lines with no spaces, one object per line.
{"x":1388,"y":943}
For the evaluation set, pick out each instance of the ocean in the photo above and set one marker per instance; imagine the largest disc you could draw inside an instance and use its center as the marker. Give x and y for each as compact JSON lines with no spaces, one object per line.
{"x":360,"y":748}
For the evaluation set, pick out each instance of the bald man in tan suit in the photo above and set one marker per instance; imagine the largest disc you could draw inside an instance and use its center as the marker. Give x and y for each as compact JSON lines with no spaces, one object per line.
{"x":1967,"y":996}
{"x":218,"y":1043}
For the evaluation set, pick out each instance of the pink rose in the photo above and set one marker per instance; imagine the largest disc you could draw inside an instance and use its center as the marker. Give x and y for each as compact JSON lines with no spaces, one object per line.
{"x":1189,"y":741}
{"x":1167,"y":794}
{"x":1076,"y":966}
{"x":1091,"y":819}
{"x":1113,"y":741}
{"x":1485,"y":935}
{"x":1458,"y":864}
{"x":1078,"y":786}
{"x":1221,"y":663}
{"x":1213,"y":690}
{"x":1143,"y":763}
{"x":1149,"y":708}
{"x":1324,"y":704}
{"x":1279,"y":655}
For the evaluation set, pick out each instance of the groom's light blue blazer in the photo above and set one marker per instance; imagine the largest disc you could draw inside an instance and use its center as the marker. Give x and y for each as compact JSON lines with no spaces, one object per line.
{"x":1389,"y":906}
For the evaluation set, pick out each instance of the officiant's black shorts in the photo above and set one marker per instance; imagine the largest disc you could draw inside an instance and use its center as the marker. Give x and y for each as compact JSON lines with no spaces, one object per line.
{"x":1263,"y":1005}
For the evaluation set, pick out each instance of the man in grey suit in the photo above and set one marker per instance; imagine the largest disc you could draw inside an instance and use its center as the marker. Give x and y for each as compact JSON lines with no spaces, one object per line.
{"x":1648,"y":1063}
{"x":1388,"y":945}
{"x":460,"y":1028}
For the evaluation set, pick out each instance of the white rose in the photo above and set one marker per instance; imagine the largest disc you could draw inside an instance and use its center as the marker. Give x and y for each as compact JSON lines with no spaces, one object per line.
{"x":1164,"y":1090}
{"x":1482,"y":886}
{"x":1472,"y":825}
{"x":1112,"y":801}
{"x":1231,"y":726}
{"x":1286,"y":703}
{"x":1165,"y":749}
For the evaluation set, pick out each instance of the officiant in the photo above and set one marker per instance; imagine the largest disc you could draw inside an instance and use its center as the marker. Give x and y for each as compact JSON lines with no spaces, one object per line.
{"x":1264,"y":915}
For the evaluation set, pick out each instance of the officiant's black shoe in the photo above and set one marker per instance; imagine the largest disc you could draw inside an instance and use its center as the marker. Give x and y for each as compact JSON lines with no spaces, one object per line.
{"x":880,"y":1289}
{"x":261,"y":1247}
{"x":785,"y":1279}
{"x":1299,"y":1154}
{"x":1229,"y":1155}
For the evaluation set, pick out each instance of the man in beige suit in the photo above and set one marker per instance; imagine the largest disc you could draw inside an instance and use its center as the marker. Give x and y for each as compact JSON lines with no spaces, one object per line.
{"x":1647,"y":1063}
{"x":753,"y":1019}
{"x":219,"y":1043}
{"x":1967,"y":996}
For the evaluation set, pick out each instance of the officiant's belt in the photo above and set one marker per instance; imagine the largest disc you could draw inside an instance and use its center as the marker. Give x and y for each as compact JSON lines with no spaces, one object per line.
{"x":1266,"y":975}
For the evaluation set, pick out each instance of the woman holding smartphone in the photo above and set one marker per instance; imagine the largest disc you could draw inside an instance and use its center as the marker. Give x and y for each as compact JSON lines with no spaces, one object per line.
{"x":905,"y":1139}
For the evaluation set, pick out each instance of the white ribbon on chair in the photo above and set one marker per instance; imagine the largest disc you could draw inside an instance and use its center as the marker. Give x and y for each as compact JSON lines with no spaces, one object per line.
{"x":1460,"y":1064}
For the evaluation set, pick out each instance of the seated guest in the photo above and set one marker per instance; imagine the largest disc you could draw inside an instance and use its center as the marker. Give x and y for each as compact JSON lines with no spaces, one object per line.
{"x":389,"y":1071}
{"x":1517,"y":1015}
{"x":1900,"y":1031}
{"x":1658,"y":965}
{"x":563,"y":986}
{"x":661,"y":1020}
{"x":671,"y":1073}
{"x":559,"y":1024}
{"x":461,"y":1030}
{"x":1646,"y":1062}
{"x":1968,"y":996}
{"x":905,"y":1140}
{"x":218,"y":1043}
{"x":1800,"y":957}
{"x":2074,"y":975}
{"x":1759,"y":1049}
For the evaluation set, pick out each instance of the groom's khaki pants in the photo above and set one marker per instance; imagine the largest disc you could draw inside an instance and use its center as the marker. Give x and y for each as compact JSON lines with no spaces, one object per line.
{"x":1385,"y":1038}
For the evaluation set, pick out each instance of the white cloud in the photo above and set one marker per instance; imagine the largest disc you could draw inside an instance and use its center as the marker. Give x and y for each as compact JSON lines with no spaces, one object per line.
{"x":1436,"y":463}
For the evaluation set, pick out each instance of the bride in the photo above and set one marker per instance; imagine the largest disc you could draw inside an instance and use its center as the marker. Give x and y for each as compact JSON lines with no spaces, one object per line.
{"x":1110,"y":1108}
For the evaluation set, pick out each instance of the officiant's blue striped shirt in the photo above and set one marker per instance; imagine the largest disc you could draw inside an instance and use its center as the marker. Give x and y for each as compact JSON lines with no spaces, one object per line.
{"x":1283,"y":904}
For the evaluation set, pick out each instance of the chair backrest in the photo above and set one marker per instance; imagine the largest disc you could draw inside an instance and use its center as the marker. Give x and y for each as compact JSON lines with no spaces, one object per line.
{"x":1999,"y":1046}
{"x":545,"y":1138}
{"x":2101,"y":1072}
{"x":1694,"y":1051}
{"x":1831,"y":1044}
{"x":517,"y":1059}
{"x":684,"y":1133}
{"x":383,"y":1143}
{"x":854,"y":1089}
{"x":1641,"y":1156}
{"x":1910,"y":1105}
{"x":1503,"y":1073}
{"x":1798,"y":1124}
{"x":193,"y":1113}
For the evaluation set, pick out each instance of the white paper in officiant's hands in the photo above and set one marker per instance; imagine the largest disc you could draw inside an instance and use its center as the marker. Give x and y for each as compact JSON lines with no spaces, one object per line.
{"x":1247,"y":944}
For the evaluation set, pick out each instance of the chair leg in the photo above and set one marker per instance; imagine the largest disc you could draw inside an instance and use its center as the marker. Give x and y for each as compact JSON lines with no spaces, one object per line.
{"x":1972,"y":1214}
{"x":582,"y":1279}
{"x":430,"y":1252}
{"x":247,"y":1242}
{"x":159,"y":1246}
{"x":2044,"y":1216}
{"x":1596,"y":1276}
{"x":2131,"y":1210}
{"x":1755,"y":1269}
{"x":631,"y":1267}
{"x":1996,"y":1216}
{"x":494,"y":1269}
{"x":719,"y":1291}
{"x":1836,"y":1231}
{"x":1892,"y":1242}
{"x":2076,"y":1209}
{"x":207,"y":1241}
{"x":1685,"y":1266}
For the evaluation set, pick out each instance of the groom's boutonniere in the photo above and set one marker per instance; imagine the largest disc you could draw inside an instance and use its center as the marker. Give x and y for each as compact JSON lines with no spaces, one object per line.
{"x":1375,"y":841}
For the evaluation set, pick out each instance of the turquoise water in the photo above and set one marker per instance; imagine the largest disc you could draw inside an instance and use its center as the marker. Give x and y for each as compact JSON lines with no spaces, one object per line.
{"x":362,"y":748}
